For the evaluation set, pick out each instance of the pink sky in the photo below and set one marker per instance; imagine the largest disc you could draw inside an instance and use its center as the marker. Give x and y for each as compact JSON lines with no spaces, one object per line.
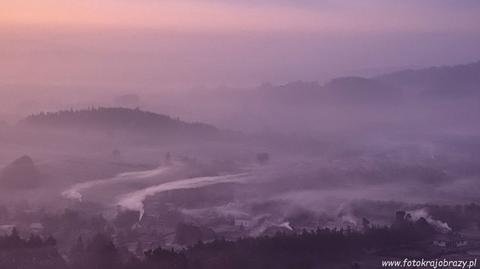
{"x":146,"y":44}
{"x":231,"y":15}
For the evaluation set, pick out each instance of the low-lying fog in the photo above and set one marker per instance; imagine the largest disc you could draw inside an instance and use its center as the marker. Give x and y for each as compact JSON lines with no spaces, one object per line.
{"x":329,"y":181}
{"x":300,"y":155}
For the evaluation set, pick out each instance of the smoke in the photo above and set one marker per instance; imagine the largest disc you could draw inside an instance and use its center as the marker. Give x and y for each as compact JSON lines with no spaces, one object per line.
{"x":135,"y":200}
{"x":423,"y":213}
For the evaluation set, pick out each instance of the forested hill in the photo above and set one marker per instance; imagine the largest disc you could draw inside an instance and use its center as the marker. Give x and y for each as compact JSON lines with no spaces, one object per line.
{"x":117,"y":119}
{"x":447,"y":81}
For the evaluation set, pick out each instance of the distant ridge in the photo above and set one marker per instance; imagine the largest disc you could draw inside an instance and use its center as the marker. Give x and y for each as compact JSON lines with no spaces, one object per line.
{"x":362,"y":89}
{"x":452,"y":81}
{"x":444,"y":82}
{"x":342,"y":90}
{"x":117,"y":119}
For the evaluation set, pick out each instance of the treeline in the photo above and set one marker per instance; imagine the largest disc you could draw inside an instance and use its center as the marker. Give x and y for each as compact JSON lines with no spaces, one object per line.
{"x":14,"y":241}
{"x":106,"y":118}
{"x":33,"y":252}
{"x":304,"y":249}
{"x":307,"y":249}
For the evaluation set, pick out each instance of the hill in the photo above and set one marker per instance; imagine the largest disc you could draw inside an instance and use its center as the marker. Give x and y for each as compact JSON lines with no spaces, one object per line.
{"x":358,"y":89}
{"x":20,"y":174}
{"x":293,"y":93}
{"x":118,"y":119}
{"x":449,"y":81}
{"x":342,"y":90}
{"x":444,"y":82}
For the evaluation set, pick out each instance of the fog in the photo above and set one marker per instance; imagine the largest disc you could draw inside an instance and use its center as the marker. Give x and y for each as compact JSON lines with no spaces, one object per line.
{"x":349,"y":153}
{"x":220,"y":129}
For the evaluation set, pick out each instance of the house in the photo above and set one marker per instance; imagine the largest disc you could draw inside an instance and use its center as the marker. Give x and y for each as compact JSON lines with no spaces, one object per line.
{"x":440,"y":243}
{"x":36,"y":228}
{"x":461,"y":243}
{"x":6,"y":229}
{"x":243,"y":223}
{"x":450,"y":240}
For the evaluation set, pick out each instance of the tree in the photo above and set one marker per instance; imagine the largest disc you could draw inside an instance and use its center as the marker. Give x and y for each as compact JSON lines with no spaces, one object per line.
{"x":263,"y":158}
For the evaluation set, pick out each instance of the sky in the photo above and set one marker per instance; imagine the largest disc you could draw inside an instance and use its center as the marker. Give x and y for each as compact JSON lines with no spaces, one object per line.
{"x":155,"y":45}
{"x":250,"y":15}
{"x":176,"y":16}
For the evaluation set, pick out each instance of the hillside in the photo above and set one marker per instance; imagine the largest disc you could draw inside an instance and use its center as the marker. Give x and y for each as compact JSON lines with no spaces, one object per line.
{"x":20,"y":174}
{"x":449,"y":81}
{"x":117,"y":119}
{"x":358,"y":89}
{"x":458,"y":81}
{"x":342,"y":90}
